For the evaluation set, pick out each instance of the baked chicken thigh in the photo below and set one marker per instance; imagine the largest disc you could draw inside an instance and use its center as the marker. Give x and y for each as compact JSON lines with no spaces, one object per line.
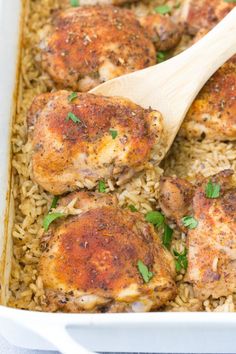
{"x":209,"y":218}
{"x":199,"y":14}
{"x":79,"y":139}
{"x":104,"y":259}
{"x":85,"y":46}
{"x":213,"y":113}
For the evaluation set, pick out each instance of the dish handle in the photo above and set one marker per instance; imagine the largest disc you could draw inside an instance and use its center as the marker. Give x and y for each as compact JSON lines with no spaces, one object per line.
{"x":58,"y":335}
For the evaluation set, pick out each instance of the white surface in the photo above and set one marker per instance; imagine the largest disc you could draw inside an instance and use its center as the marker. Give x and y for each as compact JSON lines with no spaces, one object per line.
{"x":6,"y":348}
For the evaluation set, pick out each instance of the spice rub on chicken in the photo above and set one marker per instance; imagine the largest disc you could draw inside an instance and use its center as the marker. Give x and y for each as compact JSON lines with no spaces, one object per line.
{"x":79,"y":139}
{"x":105,"y":259}
{"x":207,"y":212}
{"x":85,"y":46}
{"x":204,"y":14}
{"x":213,"y":113}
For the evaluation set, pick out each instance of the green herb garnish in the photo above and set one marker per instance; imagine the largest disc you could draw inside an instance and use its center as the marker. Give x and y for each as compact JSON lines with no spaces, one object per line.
{"x":73,"y":117}
{"x":113,"y":133}
{"x":212,"y":190}
{"x":155,"y":217}
{"x":233,"y":1}
{"x":143,"y":270}
{"x":74,"y":3}
{"x":181,"y":261}
{"x":162,"y":9}
{"x":190,"y":222}
{"x":132,"y":208}
{"x":50,"y":218}
{"x":161,"y":56}
{"x":101,"y":186}
{"x":54,"y":202}
{"x":167,"y":236}
{"x":72,"y":96}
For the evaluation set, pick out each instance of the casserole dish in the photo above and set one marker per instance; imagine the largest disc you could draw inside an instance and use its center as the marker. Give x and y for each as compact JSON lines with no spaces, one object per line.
{"x":149,"y":332}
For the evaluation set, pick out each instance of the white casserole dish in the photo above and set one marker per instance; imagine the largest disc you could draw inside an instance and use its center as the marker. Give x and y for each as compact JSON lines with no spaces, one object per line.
{"x":150,"y":332}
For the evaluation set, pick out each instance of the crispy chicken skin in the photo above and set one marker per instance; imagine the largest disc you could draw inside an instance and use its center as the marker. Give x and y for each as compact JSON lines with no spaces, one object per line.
{"x":67,"y":155}
{"x":199,"y":14}
{"x":162,"y":30}
{"x":213,"y":113}
{"x":89,"y":261}
{"x":212,"y":244}
{"x":88,"y":45}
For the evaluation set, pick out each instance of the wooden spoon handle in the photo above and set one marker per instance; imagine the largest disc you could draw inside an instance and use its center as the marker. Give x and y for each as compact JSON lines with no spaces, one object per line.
{"x":192,"y":68}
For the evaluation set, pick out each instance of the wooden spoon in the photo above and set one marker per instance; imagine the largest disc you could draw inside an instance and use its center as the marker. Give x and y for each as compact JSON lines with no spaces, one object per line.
{"x":172,"y":86}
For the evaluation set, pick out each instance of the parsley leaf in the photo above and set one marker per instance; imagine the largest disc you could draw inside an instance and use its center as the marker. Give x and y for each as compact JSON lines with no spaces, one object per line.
{"x":101,"y":186}
{"x":113,"y":133}
{"x":155,"y":217}
{"x":167,"y":236}
{"x":181,"y":261}
{"x":143,"y":270}
{"x":233,"y":1}
{"x":132,"y":208}
{"x":190,"y":222}
{"x":54,"y":202}
{"x":73,"y":117}
{"x":72,"y":96}
{"x":50,"y":218}
{"x":161,"y":56}
{"x":212,"y":190}
{"x":74,"y":3}
{"x":162,"y":9}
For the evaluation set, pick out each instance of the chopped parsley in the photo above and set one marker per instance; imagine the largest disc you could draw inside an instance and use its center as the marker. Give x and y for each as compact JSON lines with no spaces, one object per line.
{"x":102,"y":186}
{"x":72,"y":96}
{"x":132,"y":208}
{"x":143,"y":270}
{"x":155,"y":217}
{"x":190,"y":222}
{"x":212,"y":190}
{"x":74,"y":3}
{"x":161,"y":56}
{"x":113,"y":133}
{"x":73,"y":117}
{"x":167,"y":236}
{"x":233,"y":1}
{"x":181,"y":261}
{"x":54,"y":202}
{"x":162,"y":9}
{"x":158,"y":220}
{"x":50,"y":218}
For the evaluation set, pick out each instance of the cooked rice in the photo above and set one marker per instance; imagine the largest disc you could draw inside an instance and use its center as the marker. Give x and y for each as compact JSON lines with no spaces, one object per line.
{"x":186,"y":159}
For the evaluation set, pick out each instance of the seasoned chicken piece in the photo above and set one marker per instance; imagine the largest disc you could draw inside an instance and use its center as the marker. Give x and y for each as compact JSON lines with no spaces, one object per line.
{"x":85,"y":46}
{"x":162,"y":30}
{"x":76,"y":144}
{"x":90,"y":261}
{"x":200,"y":14}
{"x":211,"y":237}
{"x":213,"y":113}
{"x":175,"y":197}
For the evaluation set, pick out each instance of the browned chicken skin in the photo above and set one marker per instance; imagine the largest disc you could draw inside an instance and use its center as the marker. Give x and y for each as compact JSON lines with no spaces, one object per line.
{"x":67,"y":154}
{"x":199,"y":14}
{"x":88,"y":45}
{"x":89,"y":262}
{"x":212,"y":243}
{"x":213,"y":113}
{"x":162,"y":30}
